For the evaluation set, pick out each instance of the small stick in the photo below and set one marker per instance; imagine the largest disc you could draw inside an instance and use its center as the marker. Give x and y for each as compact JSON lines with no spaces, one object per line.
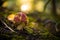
{"x":7,"y":26}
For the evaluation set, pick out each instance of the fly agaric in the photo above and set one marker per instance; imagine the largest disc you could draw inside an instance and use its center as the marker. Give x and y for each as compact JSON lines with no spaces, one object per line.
{"x":19,"y":17}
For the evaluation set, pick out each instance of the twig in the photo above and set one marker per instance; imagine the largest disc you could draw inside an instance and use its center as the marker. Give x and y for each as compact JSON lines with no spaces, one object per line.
{"x":7,"y":26}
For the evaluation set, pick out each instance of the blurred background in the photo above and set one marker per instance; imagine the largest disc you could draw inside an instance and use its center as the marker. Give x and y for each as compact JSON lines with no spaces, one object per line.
{"x":30,"y":19}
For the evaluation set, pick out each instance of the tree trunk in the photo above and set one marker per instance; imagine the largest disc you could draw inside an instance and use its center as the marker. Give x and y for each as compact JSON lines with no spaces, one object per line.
{"x":54,"y":12}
